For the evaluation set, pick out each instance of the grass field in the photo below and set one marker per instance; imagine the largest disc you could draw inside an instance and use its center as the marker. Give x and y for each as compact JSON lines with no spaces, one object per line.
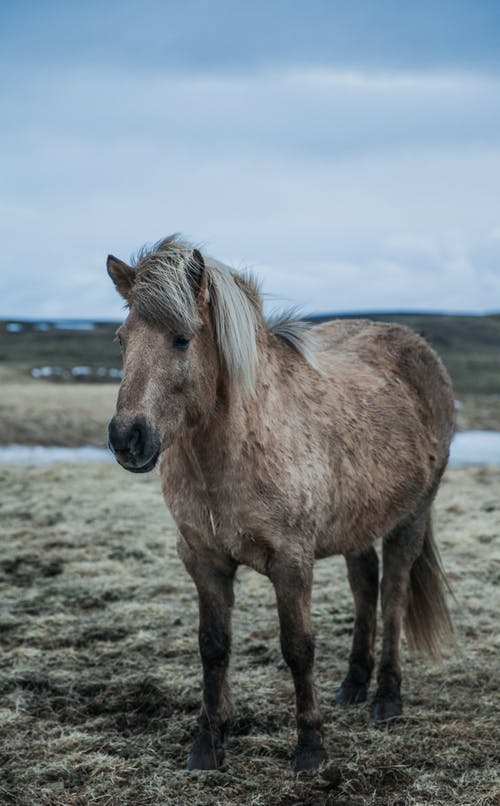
{"x":42,"y":413}
{"x":100,"y":676}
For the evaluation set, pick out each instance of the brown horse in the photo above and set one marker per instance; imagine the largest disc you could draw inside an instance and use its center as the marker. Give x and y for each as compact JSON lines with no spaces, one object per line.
{"x":279,"y":444}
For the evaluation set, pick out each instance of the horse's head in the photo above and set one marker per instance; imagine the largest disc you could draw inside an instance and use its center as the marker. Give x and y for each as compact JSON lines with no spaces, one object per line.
{"x":170,"y":359}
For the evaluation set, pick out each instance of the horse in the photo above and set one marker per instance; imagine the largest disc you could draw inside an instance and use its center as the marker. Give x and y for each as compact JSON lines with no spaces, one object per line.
{"x":280,"y":443}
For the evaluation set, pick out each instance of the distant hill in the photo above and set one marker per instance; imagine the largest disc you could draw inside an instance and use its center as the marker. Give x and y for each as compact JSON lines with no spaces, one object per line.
{"x":62,"y":345}
{"x":469,"y":345}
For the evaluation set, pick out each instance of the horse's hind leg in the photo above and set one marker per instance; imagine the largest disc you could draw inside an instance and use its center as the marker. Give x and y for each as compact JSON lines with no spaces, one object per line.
{"x":362,"y":571}
{"x":400,"y":550}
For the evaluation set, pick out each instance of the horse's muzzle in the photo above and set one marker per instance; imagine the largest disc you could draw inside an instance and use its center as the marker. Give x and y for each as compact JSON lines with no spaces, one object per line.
{"x":135,"y":445}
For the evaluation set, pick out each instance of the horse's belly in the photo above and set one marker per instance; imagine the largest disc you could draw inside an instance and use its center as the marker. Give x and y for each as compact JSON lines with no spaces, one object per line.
{"x":336,"y":538}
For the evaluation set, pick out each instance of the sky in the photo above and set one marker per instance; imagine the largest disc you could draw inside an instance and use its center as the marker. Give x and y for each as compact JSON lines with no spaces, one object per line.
{"x":347,"y":151}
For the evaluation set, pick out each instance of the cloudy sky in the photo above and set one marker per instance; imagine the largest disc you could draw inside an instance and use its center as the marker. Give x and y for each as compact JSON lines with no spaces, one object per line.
{"x":348,"y":151}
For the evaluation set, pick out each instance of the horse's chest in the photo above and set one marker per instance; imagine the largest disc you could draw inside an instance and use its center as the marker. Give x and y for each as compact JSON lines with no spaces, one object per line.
{"x":230,"y":518}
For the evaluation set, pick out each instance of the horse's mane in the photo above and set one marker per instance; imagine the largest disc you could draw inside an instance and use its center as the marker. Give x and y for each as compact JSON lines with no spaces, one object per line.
{"x":163,"y":292}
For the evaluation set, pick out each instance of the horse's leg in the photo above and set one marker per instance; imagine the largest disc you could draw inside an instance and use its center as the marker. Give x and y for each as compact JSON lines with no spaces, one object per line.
{"x":214,"y":582}
{"x":400,"y":550}
{"x":293,"y":586}
{"x":362,"y":571}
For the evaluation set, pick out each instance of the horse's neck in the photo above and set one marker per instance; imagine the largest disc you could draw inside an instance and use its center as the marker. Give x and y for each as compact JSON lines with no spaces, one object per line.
{"x":217,"y":441}
{"x":236,"y":420}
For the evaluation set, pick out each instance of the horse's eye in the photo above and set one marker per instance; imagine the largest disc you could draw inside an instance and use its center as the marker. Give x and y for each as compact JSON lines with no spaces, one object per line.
{"x":180,"y":342}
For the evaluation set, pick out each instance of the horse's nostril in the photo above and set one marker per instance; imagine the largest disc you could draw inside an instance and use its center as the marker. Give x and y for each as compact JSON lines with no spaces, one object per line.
{"x":115,"y":436}
{"x":136,"y":441}
{"x":127,"y":438}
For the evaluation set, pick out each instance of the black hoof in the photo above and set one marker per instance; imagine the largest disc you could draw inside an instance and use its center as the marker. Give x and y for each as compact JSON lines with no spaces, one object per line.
{"x":351,"y":693}
{"x":309,"y":753}
{"x":308,"y":759}
{"x":385,"y":709}
{"x":206,"y":753}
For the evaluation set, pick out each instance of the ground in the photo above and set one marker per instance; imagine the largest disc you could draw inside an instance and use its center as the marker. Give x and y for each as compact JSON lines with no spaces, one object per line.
{"x":100,"y":676}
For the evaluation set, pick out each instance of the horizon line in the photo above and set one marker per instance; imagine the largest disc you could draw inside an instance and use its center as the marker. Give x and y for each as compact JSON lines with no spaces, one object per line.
{"x":312,"y":315}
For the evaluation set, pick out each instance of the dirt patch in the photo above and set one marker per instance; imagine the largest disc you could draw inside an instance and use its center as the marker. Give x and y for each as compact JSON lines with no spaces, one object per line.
{"x":100,"y":675}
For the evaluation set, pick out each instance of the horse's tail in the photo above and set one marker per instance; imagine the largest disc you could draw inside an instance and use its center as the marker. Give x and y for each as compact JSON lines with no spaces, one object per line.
{"x":428,"y":622}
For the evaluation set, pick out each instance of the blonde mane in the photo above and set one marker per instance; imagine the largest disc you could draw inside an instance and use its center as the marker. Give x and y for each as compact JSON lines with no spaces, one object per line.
{"x":164,"y":293}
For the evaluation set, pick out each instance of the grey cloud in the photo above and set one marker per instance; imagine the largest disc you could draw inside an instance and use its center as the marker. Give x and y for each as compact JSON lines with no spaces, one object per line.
{"x":346,"y":191}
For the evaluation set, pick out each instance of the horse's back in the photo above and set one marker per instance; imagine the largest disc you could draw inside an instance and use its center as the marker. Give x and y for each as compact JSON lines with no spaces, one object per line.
{"x":365,"y":350}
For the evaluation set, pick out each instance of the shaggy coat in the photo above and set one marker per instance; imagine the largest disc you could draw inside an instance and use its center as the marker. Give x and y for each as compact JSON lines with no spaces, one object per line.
{"x":280,"y":444}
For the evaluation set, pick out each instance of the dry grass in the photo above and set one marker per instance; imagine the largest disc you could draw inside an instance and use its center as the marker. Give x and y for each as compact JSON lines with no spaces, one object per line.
{"x":100,"y":677}
{"x":42,"y":413}
{"x":480,"y":411}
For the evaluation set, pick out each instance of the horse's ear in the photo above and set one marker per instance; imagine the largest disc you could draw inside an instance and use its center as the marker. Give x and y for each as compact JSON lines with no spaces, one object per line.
{"x":122,"y":275}
{"x":198,"y":276}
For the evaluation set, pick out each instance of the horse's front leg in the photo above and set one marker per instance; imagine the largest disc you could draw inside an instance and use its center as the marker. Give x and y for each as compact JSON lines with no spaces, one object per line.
{"x":293,"y":586}
{"x":213,"y":577}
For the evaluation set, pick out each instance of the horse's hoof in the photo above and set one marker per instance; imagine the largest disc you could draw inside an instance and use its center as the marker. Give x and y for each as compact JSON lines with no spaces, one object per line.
{"x":205,"y":754}
{"x":351,"y":693}
{"x":308,"y":759}
{"x":385,"y":710}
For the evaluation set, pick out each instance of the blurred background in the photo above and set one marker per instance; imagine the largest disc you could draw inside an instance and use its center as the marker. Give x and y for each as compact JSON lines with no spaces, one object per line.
{"x":347,"y":152}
